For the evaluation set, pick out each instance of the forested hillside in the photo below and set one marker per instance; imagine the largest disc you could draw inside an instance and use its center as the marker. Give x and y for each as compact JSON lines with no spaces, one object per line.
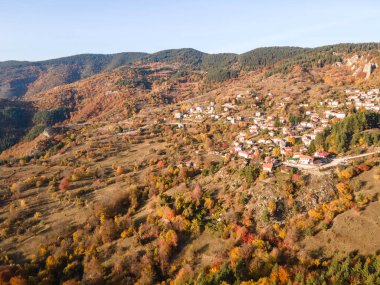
{"x":18,"y":78}
{"x":351,"y":131}
{"x":15,"y":117}
{"x":320,"y":56}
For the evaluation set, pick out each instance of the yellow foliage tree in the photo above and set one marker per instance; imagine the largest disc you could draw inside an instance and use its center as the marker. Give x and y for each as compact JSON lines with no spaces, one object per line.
{"x":119,"y":170}
{"x":234,"y":256}
{"x":343,"y":188}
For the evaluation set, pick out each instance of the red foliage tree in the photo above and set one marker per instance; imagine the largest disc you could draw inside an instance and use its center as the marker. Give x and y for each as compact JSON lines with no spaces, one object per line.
{"x":64,"y":185}
{"x":197,"y":192}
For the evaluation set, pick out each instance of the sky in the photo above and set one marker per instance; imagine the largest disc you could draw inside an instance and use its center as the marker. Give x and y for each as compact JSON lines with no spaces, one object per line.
{"x":44,"y":29}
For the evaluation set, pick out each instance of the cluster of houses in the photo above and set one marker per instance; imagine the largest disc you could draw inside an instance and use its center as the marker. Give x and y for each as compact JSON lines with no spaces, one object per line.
{"x":262,"y":132}
{"x":368,"y":100}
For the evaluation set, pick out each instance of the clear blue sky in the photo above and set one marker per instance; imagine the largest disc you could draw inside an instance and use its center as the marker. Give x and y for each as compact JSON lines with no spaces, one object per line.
{"x":43,"y":29}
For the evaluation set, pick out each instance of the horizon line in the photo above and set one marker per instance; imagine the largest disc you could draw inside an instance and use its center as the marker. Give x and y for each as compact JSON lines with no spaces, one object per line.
{"x":190,"y":48}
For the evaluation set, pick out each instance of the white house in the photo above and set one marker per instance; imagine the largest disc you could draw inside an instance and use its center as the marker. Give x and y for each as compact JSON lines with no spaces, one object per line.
{"x":305,"y":159}
{"x":178,"y":115}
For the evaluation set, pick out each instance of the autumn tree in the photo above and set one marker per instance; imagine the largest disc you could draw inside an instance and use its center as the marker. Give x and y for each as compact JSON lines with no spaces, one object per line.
{"x":64,"y":184}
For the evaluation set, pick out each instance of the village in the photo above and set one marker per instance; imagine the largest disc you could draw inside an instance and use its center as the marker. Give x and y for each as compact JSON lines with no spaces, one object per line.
{"x":280,"y":141}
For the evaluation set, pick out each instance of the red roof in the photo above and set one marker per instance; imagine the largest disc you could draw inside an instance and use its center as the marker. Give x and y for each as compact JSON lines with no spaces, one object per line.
{"x":268,"y":165}
{"x":322,"y":154}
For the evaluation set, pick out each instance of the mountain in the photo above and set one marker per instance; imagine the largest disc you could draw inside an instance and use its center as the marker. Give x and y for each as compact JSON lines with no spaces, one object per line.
{"x":124,"y":83}
{"x":18,"y":78}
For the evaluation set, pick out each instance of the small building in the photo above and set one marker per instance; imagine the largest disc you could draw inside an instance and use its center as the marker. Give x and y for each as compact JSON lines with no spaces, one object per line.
{"x":340,"y":115}
{"x":268,"y":167}
{"x":244,"y":154}
{"x":178,"y":115}
{"x":199,"y":109}
{"x":321,"y":154}
{"x":305,"y":159}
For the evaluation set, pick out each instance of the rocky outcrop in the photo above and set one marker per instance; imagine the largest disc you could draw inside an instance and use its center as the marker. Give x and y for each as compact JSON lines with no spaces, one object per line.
{"x":353,"y":60}
{"x":369,"y":68}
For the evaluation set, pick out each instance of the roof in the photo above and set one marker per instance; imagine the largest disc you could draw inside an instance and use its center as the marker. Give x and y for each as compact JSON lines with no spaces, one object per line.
{"x":306,"y":157}
{"x":268,"y":165}
{"x":322,"y":153}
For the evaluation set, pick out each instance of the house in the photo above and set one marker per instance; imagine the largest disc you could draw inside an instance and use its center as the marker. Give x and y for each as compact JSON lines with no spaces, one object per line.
{"x":268,"y":167}
{"x":178,"y":115}
{"x":340,"y":115}
{"x":303,"y":149}
{"x":318,"y":130}
{"x":199,"y":109}
{"x":297,"y":154}
{"x":306,"y":140}
{"x":312,"y":136}
{"x":244,"y":154}
{"x":278,"y":141}
{"x":305,"y":159}
{"x":321,"y":154}
{"x":287,"y":151}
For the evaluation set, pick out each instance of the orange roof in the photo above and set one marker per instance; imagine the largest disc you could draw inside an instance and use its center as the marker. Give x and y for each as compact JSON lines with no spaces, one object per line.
{"x":268,"y":165}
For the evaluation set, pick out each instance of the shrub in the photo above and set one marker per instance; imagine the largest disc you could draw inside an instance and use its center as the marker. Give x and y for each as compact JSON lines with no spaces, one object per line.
{"x":64,"y":185}
{"x":347,"y":173}
{"x":363,"y":167}
{"x":119,"y":170}
{"x":343,"y":188}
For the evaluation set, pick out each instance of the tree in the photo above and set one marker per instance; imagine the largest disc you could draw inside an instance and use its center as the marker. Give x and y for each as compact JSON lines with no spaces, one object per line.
{"x":197,"y":192}
{"x":250,"y":173}
{"x":119,"y":170}
{"x":64,"y":185}
{"x":343,"y":188}
{"x":277,"y":122}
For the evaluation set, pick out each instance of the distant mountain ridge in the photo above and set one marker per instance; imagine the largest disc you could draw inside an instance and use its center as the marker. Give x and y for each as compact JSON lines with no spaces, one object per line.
{"x":19,"y":78}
